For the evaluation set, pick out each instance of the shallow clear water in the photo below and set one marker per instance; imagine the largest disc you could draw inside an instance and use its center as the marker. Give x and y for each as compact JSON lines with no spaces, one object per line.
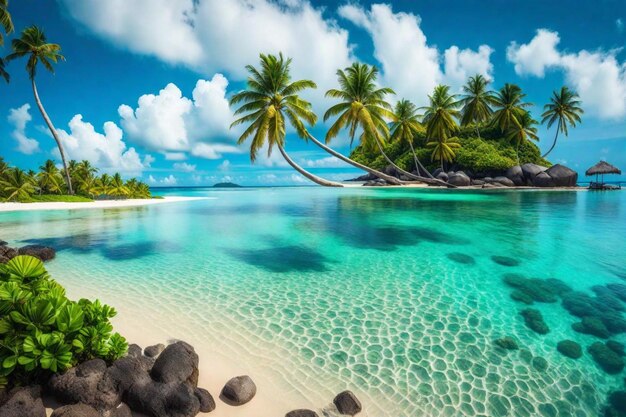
{"x":392,"y":293}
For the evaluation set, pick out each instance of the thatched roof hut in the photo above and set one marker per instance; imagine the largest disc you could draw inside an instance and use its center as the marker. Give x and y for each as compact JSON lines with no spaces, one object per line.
{"x":603,"y":167}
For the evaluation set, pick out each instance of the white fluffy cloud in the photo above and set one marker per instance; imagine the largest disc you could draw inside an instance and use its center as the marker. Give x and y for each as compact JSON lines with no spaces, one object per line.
{"x":170,"y":180}
{"x":409,"y":64}
{"x":597,"y":76}
{"x":173,"y":124}
{"x":107,"y":150}
{"x":221,"y":35}
{"x":19,"y":118}
{"x":327,"y":162}
{"x":184,"y":167}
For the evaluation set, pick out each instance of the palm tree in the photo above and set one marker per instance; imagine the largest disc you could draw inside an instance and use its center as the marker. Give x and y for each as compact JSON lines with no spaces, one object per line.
{"x":271,"y":98}
{"x":118,"y":188}
{"x":443,"y":150}
{"x":509,"y":107}
{"x":564,"y":108}
{"x":49,"y":179}
{"x":3,"y":166}
{"x":476,"y":102}
{"x":7,"y":24}
{"x":363,"y":107}
{"x":17,"y":184}
{"x":522,"y":131}
{"x":104,"y":184}
{"x":441,"y":114}
{"x":33,"y":44}
{"x":85,"y":169}
{"x":89,"y":185}
{"x":405,"y":127}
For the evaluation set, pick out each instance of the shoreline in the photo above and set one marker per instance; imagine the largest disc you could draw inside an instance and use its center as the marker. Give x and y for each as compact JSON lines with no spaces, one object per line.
{"x":103,"y":204}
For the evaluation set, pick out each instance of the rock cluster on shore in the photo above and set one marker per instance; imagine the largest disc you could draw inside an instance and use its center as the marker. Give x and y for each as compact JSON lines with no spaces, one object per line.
{"x":44,"y":253}
{"x":158,"y":381}
{"x":526,"y":175}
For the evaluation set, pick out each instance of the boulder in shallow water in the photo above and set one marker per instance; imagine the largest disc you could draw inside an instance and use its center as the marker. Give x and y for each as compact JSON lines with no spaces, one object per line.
{"x":238,"y":390}
{"x":593,"y":326}
{"x":459,"y":178}
{"x":507,"y":343}
{"x":156,"y":399}
{"x":534,"y":321}
{"x":177,"y":363}
{"x":570,"y":349}
{"x":75,"y":410}
{"x":301,"y":413}
{"x":347,"y":403}
{"x":562,"y":176}
{"x":543,"y":180}
{"x":44,"y":253}
{"x":23,"y":402}
{"x":607,"y":359}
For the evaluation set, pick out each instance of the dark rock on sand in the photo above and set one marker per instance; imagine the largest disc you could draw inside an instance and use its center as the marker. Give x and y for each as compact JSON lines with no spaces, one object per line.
{"x":23,"y":402}
{"x":154,"y":350}
{"x":86,"y":384}
{"x":238,"y":390}
{"x":543,"y":180}
{"x":504,"y":181}
{"x":534,"y":321}
{"x":45,"y":253}
{"x":570,"y":349}
{"x":207,"y":403}
{"x":606,"y":358}
{"x":75,"y":410}
{"x":459,"y":178}
{"x":301,"y":413}
{"x":478,"y":182}
{"x":505,"y":260}
{"x":162,"y":400}
{"x":121,"y":411}
{"x":177,"y":363}
{"x":562,"y":176}
{"x":347,"y":403}
{"x":530,"y":171}
{"x":507,"y":343}
{"x":8,"y":253}
{"x":442,"y":176}
{"x":516,"y":175}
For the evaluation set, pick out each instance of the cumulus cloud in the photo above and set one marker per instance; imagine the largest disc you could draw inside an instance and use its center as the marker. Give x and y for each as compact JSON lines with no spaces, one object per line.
{"x":19,"y":118}
{"x":224,"y":166}
{"x":167,"y":181}
{"x":409,"y":64}
{"x":327,"y":162}
{"x":221,"y":35}
{"x":106,"y":150}
{"x":619,"y":24}
{"x":175,"y":125}
{"x":597,"y":76}
{"x":184,"y":167}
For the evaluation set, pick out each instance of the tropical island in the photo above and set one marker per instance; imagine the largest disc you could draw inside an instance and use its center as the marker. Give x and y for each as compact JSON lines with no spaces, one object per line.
{"x":409,"y":290}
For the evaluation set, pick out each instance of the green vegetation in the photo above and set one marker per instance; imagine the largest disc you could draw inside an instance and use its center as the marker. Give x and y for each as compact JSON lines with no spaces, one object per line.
{"x":564,"y":108}
{"x":42,"y":331}
{"x":47,"y":185}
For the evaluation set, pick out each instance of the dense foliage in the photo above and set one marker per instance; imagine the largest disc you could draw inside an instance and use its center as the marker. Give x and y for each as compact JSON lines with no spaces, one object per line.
{"x":42,"y":331}
{"x":48,"y":184}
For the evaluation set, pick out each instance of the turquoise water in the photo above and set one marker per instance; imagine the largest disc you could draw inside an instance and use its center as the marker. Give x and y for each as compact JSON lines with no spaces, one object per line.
{"x":393,"y":293}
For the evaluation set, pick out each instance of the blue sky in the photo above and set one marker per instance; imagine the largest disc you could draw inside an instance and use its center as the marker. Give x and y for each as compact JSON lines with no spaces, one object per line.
{"x":145,"y":86}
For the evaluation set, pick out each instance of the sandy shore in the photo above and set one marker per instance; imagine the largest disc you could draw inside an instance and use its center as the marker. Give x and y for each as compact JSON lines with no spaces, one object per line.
{"x":104,"y":204}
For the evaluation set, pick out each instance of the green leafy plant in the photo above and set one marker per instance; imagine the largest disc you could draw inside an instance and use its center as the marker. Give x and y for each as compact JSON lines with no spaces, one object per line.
{"x":42,"y":331}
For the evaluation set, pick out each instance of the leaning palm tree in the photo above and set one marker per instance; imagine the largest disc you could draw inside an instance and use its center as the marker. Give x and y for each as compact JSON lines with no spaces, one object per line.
{"x":33,"y":44}
{"x":476,"y":102}
{"x":272,"y":98}
{"x":404,"y":128}
{"x":564,"y":108}
{"x":443,"y":150}
{"x":523,"y":131}
{"x":363,"y":107}
{"x":17,"y":184}
{"x":509,"y":107}
{"x":49,"y":179}
{"x":7,"y":24}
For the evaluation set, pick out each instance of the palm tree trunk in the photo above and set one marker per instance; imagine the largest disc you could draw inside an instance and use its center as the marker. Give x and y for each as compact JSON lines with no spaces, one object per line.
{"x":517,"y":152}
{"x":553,"y":144}
{"x":381,"y":175}
{"x":54,"y":135}
{"x":478,"y":132}
{"x":314,"y":178}
{"x":418,"y":164}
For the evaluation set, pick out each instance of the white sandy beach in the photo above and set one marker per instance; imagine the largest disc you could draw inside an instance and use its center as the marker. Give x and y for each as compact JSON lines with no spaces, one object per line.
{"x":104,"y":204}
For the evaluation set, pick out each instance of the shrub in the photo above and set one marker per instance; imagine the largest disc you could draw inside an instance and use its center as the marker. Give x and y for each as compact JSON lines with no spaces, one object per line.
{"x":42,"y":332}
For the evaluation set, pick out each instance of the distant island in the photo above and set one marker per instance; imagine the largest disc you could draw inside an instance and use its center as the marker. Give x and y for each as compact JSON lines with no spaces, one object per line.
{"x":226,"y":185}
